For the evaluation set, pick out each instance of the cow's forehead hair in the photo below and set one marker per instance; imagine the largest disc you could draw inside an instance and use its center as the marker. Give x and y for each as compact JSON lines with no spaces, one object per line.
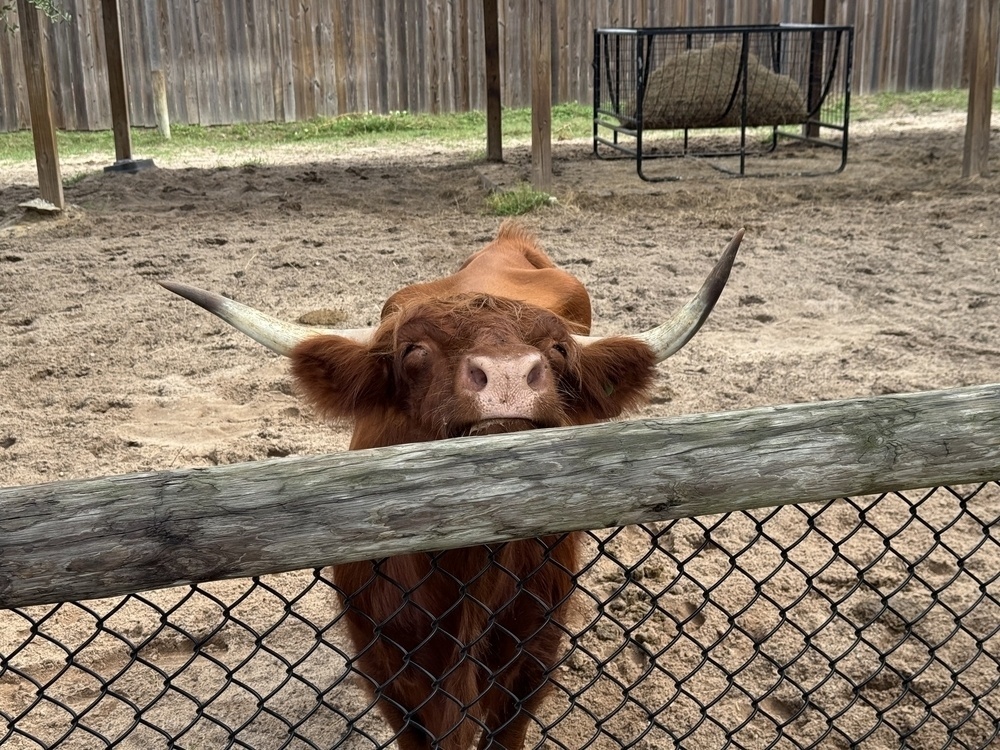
{"x":463,"y":317}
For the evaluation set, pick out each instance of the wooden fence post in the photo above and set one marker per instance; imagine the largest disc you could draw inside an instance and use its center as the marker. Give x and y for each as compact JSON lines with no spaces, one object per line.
{"x":43,"y":129}
{"x":494,"y":128}
{"x":117,"y":90}
{"x":76,"y":540}
{"x":983,"y":23}
{"x":541,"y":94}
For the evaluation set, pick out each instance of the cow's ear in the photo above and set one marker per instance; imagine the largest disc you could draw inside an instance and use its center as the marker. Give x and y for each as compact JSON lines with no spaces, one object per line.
{"x":615,"y":375}
{"x":341,"y":377}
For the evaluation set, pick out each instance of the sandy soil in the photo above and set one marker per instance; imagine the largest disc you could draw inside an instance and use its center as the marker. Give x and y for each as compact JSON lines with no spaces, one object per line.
{"x":885,"y":278}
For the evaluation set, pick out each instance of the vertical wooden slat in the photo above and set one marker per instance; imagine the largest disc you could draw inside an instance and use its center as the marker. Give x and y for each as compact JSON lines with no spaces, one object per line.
{"x":952,"y":37}
{"x":926,"y":30}
{"x":561,"y":39}
{"x":296,"y":65}
{"x":404,"y":55}
{"x":11,"y":84}
{"x":460,"y":32}
{"x":138,"y":88}
{"x":60,"y":80}
{"x":395,"y":31}
{"x":307,"y":61}
{"x":477,"y":57}
{"x":234,"y":32}
{"x":432,"y":42}
{"x":275,"y":70}
{"x":322,"y":55}
{"x":43,"y":128}
{"x":357,"y":63}
{"x":261,"y":105}
{"x":416,"y":38}
{"x":189,"y":63}
{"x":251,"y":60}
{"x":71,"y":39}
{"x":380,"y":53}
{"x":203,"y":62}
{"x":446,"y":59}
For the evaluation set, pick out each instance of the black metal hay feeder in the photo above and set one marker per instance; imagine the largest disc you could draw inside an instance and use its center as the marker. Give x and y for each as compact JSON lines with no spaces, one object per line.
{"x":726,"y":92}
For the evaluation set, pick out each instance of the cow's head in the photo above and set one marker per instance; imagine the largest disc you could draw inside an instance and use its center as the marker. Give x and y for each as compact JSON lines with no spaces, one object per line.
{"x":468,"y":363}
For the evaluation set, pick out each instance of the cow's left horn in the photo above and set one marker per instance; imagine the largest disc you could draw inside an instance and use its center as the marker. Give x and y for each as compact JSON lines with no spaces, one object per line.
{"x":278,"y":336}
{"x":668,"y":338}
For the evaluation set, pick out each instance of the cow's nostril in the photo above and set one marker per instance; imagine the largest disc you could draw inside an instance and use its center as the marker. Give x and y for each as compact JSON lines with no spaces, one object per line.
{"x":477,"y":377}
{"x":536,"y":375}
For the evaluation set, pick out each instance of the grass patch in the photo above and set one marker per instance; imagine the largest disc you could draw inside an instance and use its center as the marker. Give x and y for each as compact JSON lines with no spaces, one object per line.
{"x":568,"y":121}
{"x":520,"y":200}
{"x":74,"y":179}
{"x":896,"y":104}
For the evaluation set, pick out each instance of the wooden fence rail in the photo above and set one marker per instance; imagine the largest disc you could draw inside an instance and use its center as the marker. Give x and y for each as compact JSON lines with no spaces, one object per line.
{"x":227,"y":61}
{"x":103,"y":537}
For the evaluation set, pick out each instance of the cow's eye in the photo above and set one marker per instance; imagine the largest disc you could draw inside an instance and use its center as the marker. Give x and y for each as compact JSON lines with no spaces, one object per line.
{"x":414,"y":352}
{"x":560,"y":349}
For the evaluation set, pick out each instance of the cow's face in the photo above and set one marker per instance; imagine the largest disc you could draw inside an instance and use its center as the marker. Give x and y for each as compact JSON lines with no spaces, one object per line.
{"x":472,"y":365}
{"x":447,"y":361}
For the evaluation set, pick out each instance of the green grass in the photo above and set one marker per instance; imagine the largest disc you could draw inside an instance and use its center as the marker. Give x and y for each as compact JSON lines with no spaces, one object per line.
{"x":890,"y":104}
{"x":520,"y":200}
{"x":568,"y":121}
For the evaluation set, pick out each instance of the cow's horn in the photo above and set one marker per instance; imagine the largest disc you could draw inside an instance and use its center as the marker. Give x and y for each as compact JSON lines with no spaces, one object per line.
{"x":278,"y":336}
{"x":668,"y":338}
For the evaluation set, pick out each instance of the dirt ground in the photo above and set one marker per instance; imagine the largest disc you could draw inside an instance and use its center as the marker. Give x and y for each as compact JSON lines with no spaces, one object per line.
{"x":883,"y":279}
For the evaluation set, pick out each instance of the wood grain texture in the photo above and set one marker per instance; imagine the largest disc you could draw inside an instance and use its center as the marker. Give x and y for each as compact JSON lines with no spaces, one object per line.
{"x":491,"y":52}
{"x":541,"y":94}
{"x":43,"y":128}
{"x":116,"y":79}
{"x":247,"y":60}
{"x":110,"y":536}
{"x":984,"y":25}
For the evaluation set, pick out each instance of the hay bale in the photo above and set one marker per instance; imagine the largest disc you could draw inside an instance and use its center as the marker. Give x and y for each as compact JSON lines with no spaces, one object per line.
{"x":695,"y":89}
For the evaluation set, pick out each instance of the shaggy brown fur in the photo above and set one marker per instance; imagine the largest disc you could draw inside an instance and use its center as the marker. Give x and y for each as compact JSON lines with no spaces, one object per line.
{"x":463,"y":642}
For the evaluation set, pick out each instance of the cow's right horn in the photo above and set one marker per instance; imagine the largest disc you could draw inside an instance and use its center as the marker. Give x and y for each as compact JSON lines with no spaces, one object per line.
{"x":277,"y":335}
{"x":668,"y":338}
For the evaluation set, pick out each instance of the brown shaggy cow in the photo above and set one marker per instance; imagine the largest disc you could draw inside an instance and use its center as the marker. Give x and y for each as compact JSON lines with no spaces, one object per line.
{"x":463,"y":642}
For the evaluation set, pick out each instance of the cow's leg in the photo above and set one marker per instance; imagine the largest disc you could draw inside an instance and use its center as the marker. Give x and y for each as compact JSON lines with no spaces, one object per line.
{"x":424,"y":697}
{"x":514,"y":705}
{"x":527,"y":638}
{"x":410,"y":733}
{"x":513,"y":700}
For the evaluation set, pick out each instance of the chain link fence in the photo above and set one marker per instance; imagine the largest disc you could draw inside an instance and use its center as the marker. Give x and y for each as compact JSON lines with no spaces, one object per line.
{"x":869,"y":622}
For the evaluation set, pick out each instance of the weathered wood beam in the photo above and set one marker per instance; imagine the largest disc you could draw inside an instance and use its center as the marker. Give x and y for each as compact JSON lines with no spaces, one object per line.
{"x":103,"y":537}
{"x":491,"y":35}
{"x":43,"y":129}
{"x":541,"y":94}
{"x":983,"y":22}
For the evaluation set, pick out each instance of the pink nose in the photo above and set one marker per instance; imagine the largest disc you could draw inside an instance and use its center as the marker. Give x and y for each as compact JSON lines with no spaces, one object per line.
{"x":482,"y":372}
{"x":505,"y":386}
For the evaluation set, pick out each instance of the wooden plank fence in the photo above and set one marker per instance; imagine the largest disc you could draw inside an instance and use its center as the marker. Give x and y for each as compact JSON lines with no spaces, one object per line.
{"x":229,"y":61}
{"x":104,"y":537}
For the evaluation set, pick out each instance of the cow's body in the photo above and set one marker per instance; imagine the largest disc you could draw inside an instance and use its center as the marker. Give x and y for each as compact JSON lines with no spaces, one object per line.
{"x":463,"y":642}
{"x":484,"y":623}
